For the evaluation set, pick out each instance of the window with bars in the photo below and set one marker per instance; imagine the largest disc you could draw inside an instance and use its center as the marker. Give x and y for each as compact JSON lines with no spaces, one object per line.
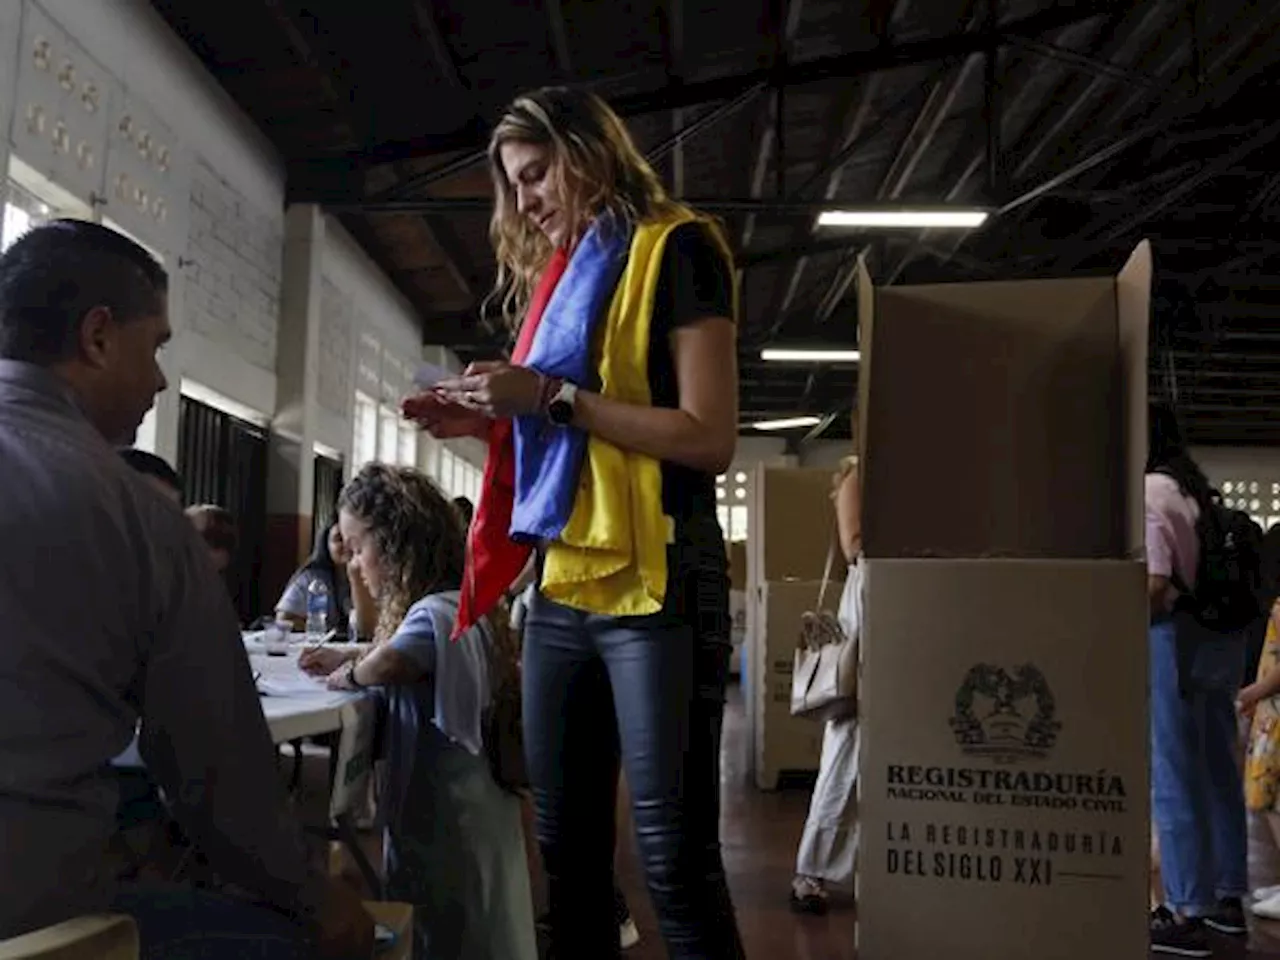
{"x":223,"y":461}
{"x":388,"y":436}
{"x":732,"y":509}
{"x":364,"y":445}
{"x":32,"y":200}
{"x":408,"y":445}
{"x":327,"y":484}
{"x":458,"y":478}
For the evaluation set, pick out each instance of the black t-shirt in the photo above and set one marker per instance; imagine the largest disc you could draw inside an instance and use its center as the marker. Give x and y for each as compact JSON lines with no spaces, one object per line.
{"x":695,"y":283}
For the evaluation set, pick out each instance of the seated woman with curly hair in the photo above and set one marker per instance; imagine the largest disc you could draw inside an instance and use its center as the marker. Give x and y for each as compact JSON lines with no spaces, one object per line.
{"x":453,"y":845}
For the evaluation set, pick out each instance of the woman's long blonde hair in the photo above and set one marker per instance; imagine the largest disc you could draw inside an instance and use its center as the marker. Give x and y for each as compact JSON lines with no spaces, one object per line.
{"x":594,"y":164}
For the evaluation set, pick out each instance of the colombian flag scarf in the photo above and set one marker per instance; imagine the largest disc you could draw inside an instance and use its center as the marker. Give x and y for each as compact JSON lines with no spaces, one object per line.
{"x":596,"y":506}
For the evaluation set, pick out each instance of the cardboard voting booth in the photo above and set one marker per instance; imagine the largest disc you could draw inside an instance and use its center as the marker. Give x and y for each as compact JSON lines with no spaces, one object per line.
{"x":793,"y":522}
{"x":1003,"y":786}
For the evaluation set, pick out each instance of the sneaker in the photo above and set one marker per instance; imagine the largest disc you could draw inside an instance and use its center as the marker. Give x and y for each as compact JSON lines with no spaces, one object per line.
{"x":628,"y":935}
{"x":1228,"y":918}
{"x":1179,"y":938}
{"x":1268,"y":909}
{"x":808,"y":896}
{"x":1264,"y":893}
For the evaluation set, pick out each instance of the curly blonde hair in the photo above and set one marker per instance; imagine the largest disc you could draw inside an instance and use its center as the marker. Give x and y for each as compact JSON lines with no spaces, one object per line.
{"x":595,"y":166}
{"x":417,"y":533}
{"x":421,"y":545}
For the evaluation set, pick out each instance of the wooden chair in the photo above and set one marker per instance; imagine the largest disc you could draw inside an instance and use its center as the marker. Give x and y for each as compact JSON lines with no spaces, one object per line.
{"x":106,"y":937}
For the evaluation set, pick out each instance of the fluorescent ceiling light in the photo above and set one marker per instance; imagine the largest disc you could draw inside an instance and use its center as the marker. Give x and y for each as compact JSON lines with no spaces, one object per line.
{"x":955,"y":219}
{"x":814,"y":355}
{"x":326,"y":451}
{"x":787,"y":423}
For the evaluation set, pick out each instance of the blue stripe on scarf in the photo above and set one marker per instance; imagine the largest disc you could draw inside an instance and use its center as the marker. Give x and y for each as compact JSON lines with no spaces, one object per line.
{"x":549,"y":458}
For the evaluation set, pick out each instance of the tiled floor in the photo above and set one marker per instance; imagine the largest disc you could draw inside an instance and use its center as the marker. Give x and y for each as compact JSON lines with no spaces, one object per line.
{"x":760,"y":832}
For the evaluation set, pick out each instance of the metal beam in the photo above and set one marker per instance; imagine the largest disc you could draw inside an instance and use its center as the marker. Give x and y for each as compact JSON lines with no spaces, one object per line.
{"x":1025,"y":90}
{"x":769,"y":139}
{"x":1091,"y":65}
{"x":1164,"y":118}
{"x":938,"y":103}
{"x":1059,"y":117}
{"x":722,"y":205}
{"x":674,"y":143}
{"x":840,"y":66}
{"x":407,"y":188}
{"x":331,"y":73}
{"x":424,"y":18}
{"x":673,"y":38}
{"x":1210,"y":171}
{"x":559,"y":37}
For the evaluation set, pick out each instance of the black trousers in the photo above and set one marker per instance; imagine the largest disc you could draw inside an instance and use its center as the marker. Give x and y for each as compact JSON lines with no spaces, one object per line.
{"x":646,"y":692}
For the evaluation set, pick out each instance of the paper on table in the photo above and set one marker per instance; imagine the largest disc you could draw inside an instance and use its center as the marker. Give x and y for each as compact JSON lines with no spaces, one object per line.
{"x":299,"y":686}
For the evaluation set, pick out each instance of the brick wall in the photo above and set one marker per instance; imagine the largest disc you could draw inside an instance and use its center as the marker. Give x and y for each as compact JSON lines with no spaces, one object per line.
{"x":334,"y":390}
{"x":232,"y":293}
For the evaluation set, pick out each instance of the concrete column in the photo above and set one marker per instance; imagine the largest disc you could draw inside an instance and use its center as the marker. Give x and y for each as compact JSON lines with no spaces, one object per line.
{"x":291,"y":463}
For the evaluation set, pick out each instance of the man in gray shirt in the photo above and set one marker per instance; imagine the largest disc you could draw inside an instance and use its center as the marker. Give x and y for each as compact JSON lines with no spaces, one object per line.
{"x":111,"y":613}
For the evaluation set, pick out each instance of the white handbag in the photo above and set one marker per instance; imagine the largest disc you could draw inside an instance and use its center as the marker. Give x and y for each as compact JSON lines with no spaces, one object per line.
{"x":824,"y":679}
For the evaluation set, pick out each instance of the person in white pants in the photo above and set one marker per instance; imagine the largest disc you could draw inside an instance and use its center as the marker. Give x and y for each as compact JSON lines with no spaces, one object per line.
{"x":830,"y":841}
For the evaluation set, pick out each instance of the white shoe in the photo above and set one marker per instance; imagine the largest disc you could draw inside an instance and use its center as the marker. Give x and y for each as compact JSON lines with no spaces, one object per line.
{"x":1264,"y":893}
{"x":1268,"y":909}
{"x":628,"y":935}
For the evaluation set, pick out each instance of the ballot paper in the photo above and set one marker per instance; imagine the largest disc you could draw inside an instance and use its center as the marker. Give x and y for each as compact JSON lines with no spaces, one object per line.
{"x":296,"y":686}
{"x":429,"y":375}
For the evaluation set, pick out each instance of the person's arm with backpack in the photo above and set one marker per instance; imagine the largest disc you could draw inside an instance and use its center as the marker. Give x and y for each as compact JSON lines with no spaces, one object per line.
{"x":1269,"y":686}
{"x":1161,"y":543}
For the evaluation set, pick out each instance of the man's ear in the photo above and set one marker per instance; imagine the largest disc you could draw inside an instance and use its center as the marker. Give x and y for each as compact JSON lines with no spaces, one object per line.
{"x":96,"y":336}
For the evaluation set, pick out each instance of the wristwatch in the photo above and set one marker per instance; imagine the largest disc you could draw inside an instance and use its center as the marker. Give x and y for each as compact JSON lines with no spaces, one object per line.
{"x":351,"y":675}
{"x":560,"y":409}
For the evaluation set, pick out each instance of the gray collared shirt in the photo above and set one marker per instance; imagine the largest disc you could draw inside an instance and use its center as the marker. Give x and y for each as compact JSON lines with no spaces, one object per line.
{"x":110,"y":612}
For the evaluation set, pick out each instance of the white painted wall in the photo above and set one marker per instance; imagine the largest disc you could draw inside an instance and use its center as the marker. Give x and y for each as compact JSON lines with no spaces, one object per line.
{"x":222,"y":233}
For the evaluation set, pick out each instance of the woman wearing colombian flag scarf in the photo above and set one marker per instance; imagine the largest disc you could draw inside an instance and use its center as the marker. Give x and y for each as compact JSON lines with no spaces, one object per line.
{"x":606,"y":432}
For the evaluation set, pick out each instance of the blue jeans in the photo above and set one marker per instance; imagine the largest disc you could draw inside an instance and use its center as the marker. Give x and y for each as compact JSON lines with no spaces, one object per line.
{"x":1197,"y":797}
{"x":649,"y":692}
{"x":180,"y":924}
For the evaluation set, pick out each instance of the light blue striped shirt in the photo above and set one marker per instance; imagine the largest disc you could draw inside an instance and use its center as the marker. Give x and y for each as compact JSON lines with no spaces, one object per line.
{"x":110,"y":612}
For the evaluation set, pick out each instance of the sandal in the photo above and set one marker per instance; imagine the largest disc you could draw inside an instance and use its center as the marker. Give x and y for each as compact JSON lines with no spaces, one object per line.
{"x":808,"y":896}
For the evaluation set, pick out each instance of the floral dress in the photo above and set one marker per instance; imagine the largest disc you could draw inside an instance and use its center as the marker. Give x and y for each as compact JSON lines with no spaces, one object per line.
{"x":1262,"y":765}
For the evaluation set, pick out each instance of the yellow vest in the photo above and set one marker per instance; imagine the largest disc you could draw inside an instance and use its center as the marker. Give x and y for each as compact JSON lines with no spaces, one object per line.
{"x":611,"y":558}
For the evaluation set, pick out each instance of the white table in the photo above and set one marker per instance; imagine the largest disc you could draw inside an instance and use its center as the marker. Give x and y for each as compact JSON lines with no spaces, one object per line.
{"x":303,"y":706}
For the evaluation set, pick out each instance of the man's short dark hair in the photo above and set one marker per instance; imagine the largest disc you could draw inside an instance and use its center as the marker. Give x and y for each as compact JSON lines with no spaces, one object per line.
{"x":149,"y":465}
{"x":55,"y":274}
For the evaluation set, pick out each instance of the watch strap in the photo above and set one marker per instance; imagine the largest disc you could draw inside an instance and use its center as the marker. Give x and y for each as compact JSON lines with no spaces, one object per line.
{"x":549,"y":389}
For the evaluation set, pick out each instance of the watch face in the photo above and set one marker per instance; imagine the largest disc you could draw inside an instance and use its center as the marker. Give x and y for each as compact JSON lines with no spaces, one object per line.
{"x":560,"y":412}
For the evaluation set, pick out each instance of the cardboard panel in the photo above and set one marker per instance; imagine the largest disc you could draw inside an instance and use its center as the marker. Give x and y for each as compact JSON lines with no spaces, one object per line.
{"x":792,"y":525}
{"x":866,"y":334}
{"x":1133,"y":309}
{"x":1003,"y":782}
{"x":1003,"y":396}
{"x":782,"y":743}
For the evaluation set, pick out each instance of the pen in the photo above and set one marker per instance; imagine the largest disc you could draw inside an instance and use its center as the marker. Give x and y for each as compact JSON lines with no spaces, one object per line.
{"x":323,"y":640}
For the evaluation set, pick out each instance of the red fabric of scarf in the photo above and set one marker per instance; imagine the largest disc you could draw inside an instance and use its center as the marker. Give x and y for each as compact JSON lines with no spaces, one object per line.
{"x":493,"y":559}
